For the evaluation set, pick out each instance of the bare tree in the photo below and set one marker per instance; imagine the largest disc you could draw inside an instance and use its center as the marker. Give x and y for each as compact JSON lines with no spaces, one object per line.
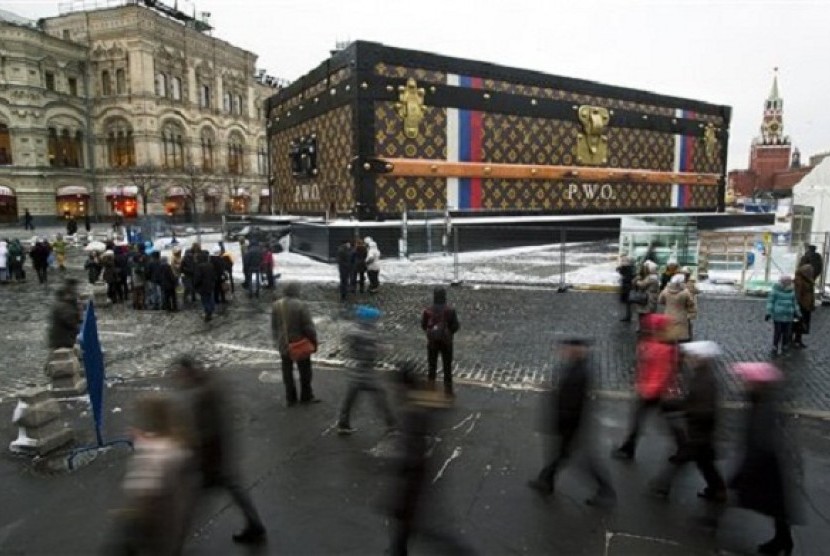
{"x":146,"y":179}
{"x":194,"y":183}
{"x":231,"y":183}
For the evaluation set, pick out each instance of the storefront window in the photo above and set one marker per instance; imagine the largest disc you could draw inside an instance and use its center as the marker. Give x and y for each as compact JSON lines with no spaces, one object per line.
{"x":5,"y":145}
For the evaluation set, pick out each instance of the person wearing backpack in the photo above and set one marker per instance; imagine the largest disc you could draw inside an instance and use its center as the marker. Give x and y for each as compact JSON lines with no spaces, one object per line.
{"x":440,"y":323}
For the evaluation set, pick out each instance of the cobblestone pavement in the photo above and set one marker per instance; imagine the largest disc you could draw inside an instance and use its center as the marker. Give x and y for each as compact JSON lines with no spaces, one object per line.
{"x":506,"y":335}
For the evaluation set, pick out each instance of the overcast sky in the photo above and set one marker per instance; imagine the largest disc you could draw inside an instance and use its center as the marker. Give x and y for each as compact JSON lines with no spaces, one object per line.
{"x":718,"y":51}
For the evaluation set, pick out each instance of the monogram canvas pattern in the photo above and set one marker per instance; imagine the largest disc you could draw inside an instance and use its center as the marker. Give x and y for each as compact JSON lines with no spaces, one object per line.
{"x":393,"y":194}
{"x":419,"y":74}
{"x":566,"y":197}
{"x":334,"y":184}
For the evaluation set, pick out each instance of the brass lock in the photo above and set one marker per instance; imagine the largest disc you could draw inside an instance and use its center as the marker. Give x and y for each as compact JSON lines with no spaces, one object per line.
{"x":592,"y":144}
{"x":410,"y":107}
{"x":710,"y":140}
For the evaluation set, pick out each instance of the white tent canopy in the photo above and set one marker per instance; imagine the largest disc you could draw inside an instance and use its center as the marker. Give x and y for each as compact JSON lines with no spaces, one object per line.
{"x":814,"y":191}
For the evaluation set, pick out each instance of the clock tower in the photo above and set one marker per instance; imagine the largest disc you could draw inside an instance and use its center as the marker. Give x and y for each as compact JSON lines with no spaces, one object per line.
{"x":771,"y":151}
{"x":772,"y":127}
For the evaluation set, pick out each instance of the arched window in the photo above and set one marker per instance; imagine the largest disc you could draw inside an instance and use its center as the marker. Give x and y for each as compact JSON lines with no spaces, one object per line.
{"x":78,"y":150}
{"x":106,"y":85}
{"x":227,"y":103}
{"x":172,"y":138}
{"x":161,"y":85}
{"x":53,"y":147}
{"x":262,"y":158}
{"x":208,"y":140}
{"x":236,"y":164}
{"x":176,"y":88}
{"x":204,"y":96}
{"x":120,"y":148}
{"x":120,"y":82}
{"x":65,"y":149}
{"x":237,"y":104}
{"x":5,"y":145}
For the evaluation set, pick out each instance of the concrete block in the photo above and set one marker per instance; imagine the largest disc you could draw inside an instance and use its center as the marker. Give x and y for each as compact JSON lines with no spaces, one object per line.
{"x":69,"y":388}
{"x":39,"y":424}
{"x":63,"y":368}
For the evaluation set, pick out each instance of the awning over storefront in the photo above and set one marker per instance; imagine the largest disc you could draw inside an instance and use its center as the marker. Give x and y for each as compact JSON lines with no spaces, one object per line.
{"x":6,"y":191}
{"x":121,"y":191}
{"x":72,"y":191}
{"x":176,"y":192}
{"x":241,"y":192}
{"x":265,"y":192}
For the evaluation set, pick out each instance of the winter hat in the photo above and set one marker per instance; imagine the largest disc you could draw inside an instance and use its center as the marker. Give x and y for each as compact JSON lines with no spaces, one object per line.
{"x":785,"y":279}
{"x":757,"y":372}
{"x":650,"y":266}
{"x":704,"y":349}
{"x":677,"y":279}
{"x":367,"y":313}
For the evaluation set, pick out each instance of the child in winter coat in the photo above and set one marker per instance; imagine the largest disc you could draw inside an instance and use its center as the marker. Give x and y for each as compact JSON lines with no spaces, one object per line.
{"x":783,"y":309}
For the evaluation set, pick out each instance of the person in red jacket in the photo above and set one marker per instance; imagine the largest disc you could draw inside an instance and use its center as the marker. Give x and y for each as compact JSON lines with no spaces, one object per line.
{"x":656,"y":375}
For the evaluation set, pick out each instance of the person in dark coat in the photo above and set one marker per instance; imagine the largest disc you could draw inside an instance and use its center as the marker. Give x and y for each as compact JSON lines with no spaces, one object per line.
{"x":152,"y":276}
{"x":188,"y":270}
{"x":219,"y":267}
{"x":168,"y":286}
{"x":763,"y":480}
{"x":122,"y":263}
{"x":65,"y":320}
{"x":251,"y":267}
{"x":813,"y":258}
{"x":440,"y":323}
{"x":626,"y":271}
{"x":344,"y":267}
{"x":71,"y":226}
{"x":567,"y":405}
{"x":17,"y":257}
{"x":87,"y":223}
{"x":40,"y":259}
{"x":291,"y":321}
{"x":204,"y":282}
{"x":93,"y":268}
{"x":359,"y":255}
{"x":805,"y":295}
{"x":211,"y":437}
{"x":111,"y":278}
{"x":28,"y":220}
{"x":699,"y":408}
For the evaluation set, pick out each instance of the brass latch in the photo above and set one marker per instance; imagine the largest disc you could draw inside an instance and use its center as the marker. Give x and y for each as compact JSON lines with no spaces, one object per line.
{"x":410,"y":107}
{"x":591,"y":144}
{"x":710,"y":140}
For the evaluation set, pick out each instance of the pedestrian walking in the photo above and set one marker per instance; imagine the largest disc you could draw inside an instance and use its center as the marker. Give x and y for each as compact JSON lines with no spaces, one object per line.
{"x":252,"y":263}
{"x":158,"y":485}
{"x":699,"y":408}
{"x":626,"y":272}
{"x":65,"y":318}
{"x":359,"y":256}
{"x":87,"y":223}
{"x":373,"y":264}
{"x":17,"y":258}
{"x":28,"y":221}
{"x":59,"y":249}
{"x":344,"y":267}
{"x":362,"y":347}
{"x":188,"y":268}
{"x":782,"y":308}
{"x":764,"y":479}
{"x":646,"y":291}
{"x":440,"y":324}
{"x":656,"y":376}
{"x":219,"y":267}
{"x":139,"y":271}
{"x":122,"y":263}
{"x":204,"y":282}
{"x":153,"y":280}
{"x":211,"y":438}
{"x":71,"y":226}
{"x":295,"y":336}
{"x":93,"y":268}
{"x":680,"y":307}
{"x":40,"y":259}
{"x":566,"y":409}
{"x":168,"y":286}
{"x":805,"y":295}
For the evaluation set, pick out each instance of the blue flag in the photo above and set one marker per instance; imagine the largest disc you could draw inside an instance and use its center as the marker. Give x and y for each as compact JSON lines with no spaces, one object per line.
{"x":93,"y":365}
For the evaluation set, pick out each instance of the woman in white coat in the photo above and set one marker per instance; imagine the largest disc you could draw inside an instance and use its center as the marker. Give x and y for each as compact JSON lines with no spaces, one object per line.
{"x":372,"y":264}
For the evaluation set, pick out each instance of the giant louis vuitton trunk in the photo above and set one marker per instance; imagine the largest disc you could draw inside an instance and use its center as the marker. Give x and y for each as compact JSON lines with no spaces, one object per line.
{"x":376,"y":130}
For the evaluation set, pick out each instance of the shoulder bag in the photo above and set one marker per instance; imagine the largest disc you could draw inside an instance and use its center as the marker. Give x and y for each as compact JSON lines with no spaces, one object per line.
{"x":298,"y":350}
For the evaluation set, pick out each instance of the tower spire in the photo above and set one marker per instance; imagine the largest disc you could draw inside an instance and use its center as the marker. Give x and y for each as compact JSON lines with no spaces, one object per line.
{"x":773,"y":93}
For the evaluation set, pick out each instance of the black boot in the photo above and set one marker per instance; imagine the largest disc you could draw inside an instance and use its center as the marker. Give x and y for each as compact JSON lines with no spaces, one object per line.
{"x":251,"y":534}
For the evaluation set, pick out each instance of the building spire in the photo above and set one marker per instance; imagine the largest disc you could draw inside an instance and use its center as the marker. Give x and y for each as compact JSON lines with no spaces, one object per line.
{"x":773,"y":93}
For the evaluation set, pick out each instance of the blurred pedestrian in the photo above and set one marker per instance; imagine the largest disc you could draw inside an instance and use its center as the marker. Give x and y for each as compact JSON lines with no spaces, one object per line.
{"x":40,"y":259}
{"x":252,"y":263}
{"x":204,"y":282}
{"x":92,"y":267}
{"x":647,"y":288}
{"x":814,"y":259}
{"x":71,"y":226}
{"x":59,"y":248}
{"x":228,"y":259}
{"x":188,"y":268}
{"x":805,"y":295}
{"x":373,"y":264}
{"x":414,"y":504}
{"x":656,"y":376}
{"x":764,"y":479}
{"x":626,"y":272}
{"x":65,"y":318}
{"x":362,"y":347}
{"x":168,"y":286}
{"x":267,"y":266}
{"x":87,"y":223}
{"x":211,"y":437}
{"x":219,"y":267}
{"x":111,"y":278}
{"x":359,"y":266}
{"x":782,"y":308}
{"x":122,"y":263}
{"x":157,"y":485}
{"x":344,"y":267}
{"x":139,"y":271}
{"x":699,"y":408}
{"x":295,"y":336}
{"x":671,"y":270}
{"x":17,"y":257}
{"x":4,"y":262}
{"x":680,"y":307}
{"x":565,"y":409}
{"x":153,"y":281}
{"x":440,"y":324}
{"x":28,"y":221}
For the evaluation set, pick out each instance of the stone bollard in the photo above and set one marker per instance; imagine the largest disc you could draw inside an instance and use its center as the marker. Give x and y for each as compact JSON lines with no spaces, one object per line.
{"x":39,"y":425}
{"x":64,"y":370}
